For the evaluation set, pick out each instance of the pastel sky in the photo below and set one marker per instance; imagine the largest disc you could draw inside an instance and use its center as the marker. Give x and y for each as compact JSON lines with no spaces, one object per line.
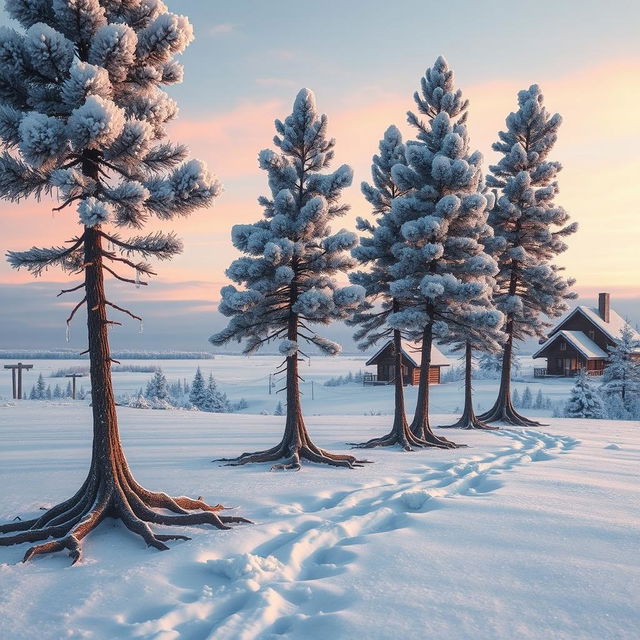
{"x":364,"y":59}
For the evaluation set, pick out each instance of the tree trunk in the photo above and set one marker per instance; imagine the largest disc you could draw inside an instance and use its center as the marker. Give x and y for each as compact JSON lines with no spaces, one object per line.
{"x":420,"y":426}
{"x":503,"y":409}
{"x":296,"y":443}
{"x":469,"y":420}
{"x":109,"y":489}
{"x":400,"y":433}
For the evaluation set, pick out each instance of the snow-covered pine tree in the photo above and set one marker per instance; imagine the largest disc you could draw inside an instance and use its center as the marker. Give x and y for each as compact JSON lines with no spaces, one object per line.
{"x":441,"y":267}
{"x":621,"y":377}
{"x":68,"y":392}
{"x":33,"y":394}
{"x":527,"y":398}
{"x":198,"y":391}
{"x":215,"y":400}
{"x":41,"y":388}
{"x":529,"y":230}
{"x":539,"y":403}
{"x":157,"y":386}
{"x":279,"y":410}
{"x":57,"y":391}
{"x":287,"y":272}
{"x":516,"y":398}
{"x":584,"y":400}
{"x":375,"y":253}
{"x":82,"y":115}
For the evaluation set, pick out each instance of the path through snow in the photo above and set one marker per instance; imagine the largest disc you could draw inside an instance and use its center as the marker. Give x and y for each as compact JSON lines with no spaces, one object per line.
{"x":268,"y":591}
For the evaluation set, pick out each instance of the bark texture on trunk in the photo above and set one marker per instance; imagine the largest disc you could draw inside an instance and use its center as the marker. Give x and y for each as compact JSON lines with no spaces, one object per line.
{"x":400,"y":433}
{"x":296,"y":444}
{"x":420,"y":426}
{"x":503,"y":409}
{"x":468,"y":420}
{"x":109,"y":489}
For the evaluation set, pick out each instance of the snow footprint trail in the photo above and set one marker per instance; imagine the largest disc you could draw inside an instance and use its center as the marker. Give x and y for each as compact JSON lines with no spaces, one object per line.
{"x":279,"y":587}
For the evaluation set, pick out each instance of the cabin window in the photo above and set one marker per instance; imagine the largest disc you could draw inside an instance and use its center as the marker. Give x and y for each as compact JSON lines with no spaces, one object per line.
{"x":592,"y":334}
{"x":563,"y":346}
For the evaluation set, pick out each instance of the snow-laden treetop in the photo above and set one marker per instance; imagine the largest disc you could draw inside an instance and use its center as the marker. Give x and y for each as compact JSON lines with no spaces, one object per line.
{"x":82,"y":109}
{"x":291,"y":253}
{"x":529,"y":226}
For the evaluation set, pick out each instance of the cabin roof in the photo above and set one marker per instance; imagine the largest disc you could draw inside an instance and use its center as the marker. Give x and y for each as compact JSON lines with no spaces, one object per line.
{"x":587,"y":347}
{"x":613,"y":328}
{"x":411,"y":351}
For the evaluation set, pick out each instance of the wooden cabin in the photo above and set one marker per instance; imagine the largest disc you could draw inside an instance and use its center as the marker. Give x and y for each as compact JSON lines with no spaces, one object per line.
{"x":384,"y":362}
{"x":581,"y":340}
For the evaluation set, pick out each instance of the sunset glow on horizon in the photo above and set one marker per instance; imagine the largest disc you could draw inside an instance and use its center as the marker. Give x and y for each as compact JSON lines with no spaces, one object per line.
{"x":597,"y":144}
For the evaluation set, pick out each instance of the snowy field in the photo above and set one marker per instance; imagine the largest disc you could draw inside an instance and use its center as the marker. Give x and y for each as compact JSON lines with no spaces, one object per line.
{"x":525,"y":534}
{"x":248,"y":378}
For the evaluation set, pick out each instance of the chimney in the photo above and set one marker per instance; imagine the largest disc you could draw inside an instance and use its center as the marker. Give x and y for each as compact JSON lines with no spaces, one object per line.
{"x":604,"y":306}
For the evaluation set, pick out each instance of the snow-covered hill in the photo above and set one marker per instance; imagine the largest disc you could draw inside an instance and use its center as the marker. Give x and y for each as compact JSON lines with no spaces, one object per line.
{"x":524,"y":534}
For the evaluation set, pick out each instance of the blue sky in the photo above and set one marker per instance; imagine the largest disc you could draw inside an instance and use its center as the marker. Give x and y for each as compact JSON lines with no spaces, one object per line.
{"x":364,"y":60}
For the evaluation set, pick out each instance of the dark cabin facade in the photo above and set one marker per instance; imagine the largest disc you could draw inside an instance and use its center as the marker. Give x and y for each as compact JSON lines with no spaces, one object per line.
{"x":384,"y":362}
{"x":581,"y":340}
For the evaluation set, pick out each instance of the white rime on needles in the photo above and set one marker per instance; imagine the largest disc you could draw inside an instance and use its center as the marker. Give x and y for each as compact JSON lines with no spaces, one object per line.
{"x":87,"y":77}
{"x":291,"y":254}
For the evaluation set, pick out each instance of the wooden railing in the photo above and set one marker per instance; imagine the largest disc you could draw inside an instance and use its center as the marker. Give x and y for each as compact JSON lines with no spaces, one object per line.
{"x":370,"y":378}
{"x":542,"y":372}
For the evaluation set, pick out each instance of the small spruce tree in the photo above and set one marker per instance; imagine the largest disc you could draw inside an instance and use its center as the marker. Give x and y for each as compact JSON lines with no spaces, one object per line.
{"x":539,"y":401}
{"x":157,"y":386}
{"x":198,"y":392}
{"x":621,"y":377}
{"x":584,"y":400}
{"x":41,"y":388}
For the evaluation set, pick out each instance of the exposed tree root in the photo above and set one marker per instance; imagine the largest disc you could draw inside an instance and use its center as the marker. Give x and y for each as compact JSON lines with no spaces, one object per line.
{"x":401,"y":435}
{"x":288,"y":457}
{"x":114,"y":495}
{"x":504,"y":411}
{"x":422,"y":430}
{"x":470,"y":422}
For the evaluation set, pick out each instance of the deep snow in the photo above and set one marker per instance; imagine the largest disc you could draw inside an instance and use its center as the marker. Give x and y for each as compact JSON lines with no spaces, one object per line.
{"x":525,"y":534}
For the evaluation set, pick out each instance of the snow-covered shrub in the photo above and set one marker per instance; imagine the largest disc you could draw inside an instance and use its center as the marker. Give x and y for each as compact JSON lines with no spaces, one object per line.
{"x":585,"y":400}
{"x":621,"y":377}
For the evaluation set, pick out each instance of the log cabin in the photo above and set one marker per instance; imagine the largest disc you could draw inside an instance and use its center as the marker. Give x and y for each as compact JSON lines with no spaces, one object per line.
{"x":581,"y":340}
{"x":384,"y":362}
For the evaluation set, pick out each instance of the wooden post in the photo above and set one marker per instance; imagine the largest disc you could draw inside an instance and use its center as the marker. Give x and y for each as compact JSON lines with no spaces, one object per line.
{"x":73,"y":388}
{"x":17,"y":388}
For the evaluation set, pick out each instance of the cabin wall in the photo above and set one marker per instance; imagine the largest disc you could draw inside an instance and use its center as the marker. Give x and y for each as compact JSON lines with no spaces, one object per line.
{"x":434,"y":375}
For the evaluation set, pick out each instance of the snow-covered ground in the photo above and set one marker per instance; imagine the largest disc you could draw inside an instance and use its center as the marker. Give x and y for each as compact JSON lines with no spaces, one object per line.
{"x":525,"y":534}
{"x":248,"y":378}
